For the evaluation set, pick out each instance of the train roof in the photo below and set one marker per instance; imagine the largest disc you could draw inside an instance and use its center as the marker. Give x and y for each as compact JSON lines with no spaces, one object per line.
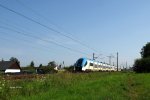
{"x":90,"y":60}
{"x":84,"y":58}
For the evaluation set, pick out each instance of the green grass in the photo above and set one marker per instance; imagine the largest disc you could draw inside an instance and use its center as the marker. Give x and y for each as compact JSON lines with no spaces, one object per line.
{"x":79,"y":86}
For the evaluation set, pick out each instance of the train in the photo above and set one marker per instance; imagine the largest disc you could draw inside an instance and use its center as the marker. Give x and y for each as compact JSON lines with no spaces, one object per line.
{"x":85,"y":64}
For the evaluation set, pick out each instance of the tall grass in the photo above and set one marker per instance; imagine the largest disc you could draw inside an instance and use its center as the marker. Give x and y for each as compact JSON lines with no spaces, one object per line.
{"x":79,"y":86}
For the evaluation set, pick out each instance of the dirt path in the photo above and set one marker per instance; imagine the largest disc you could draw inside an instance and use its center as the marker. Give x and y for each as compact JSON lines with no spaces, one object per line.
{"x":131,"y":84}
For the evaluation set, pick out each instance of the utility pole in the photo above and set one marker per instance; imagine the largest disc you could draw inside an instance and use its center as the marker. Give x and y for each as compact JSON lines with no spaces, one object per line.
{"x":63,"y":64}
{"x":94,"y":56}
{"x":117,"y":61}
{"x":126,"y":64}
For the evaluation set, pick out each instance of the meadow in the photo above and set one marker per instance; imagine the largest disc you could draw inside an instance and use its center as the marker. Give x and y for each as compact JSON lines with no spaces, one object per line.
{"x":76,"y":86}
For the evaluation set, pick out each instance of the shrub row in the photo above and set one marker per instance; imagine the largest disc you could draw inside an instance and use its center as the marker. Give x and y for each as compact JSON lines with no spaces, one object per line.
{"x":142,"y":65}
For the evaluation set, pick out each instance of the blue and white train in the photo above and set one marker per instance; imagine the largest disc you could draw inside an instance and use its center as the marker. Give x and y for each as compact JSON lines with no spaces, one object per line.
{"x":84,"y":64}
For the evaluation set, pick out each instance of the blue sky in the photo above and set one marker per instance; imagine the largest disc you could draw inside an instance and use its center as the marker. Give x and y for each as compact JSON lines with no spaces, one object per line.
{"x":109,"y":26}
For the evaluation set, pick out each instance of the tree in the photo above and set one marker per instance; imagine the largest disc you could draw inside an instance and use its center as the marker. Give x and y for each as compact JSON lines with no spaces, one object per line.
{"x":52,"y":64}
{"x":14,"y":60}
{"x":145,"y":52}
{"x":32,"y":64}
{"x":70,"y":68}
{"x":143,"y":64}
{"x":2,"y":60}
{"x":30,"y":68}
{"x":40,"y":65}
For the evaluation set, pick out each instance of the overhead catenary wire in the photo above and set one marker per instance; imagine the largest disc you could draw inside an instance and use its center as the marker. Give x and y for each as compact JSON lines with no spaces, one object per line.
{"x":12,"y":26}
{"x":41,"y":39}
{"x":30,"y":19}
{"x":33,"y":47}
{"x":54,"y":24}
{"x":29,"y":44}
{"x":36,"y":37}
{"x":39,"y":23}
{"x":43,"y":25}
{"x":16,"y":28}
{"x":25,"y":41}
{"x":22,"y":30}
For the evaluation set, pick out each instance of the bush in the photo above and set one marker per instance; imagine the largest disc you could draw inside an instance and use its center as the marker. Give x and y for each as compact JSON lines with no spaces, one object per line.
{"x":70,"y":68}
{"x":142,"y":65}
{"x":28,"y":69}
{"x":46,"y":70}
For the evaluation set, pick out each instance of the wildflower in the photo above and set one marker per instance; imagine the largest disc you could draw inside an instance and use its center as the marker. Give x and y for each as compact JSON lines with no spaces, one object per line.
{"x":3,"y":84}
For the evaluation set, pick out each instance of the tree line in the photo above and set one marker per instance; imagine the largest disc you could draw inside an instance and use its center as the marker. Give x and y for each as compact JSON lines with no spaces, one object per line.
{"x":140,"y":65}
{"x":143,"y":64}
{"x":49,"y":68}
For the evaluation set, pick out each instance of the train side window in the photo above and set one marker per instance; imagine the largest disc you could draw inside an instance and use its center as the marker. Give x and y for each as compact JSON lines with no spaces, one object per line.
{"x":91,"y":64}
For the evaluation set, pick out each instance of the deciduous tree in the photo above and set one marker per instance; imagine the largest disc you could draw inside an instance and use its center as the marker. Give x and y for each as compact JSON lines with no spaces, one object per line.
{"x":143,"y":64}
{"x":145,"y":52}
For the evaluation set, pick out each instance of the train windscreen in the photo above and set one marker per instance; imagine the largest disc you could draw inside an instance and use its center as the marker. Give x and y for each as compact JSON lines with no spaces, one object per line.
{"x":79,"y":63}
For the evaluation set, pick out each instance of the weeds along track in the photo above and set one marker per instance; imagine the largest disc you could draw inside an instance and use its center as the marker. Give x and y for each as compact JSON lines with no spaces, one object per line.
{"x":24,"y":76}
{"x":40,"y":76}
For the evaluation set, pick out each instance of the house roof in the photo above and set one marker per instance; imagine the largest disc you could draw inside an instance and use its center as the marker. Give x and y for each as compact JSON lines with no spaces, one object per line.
{"x":5,"y":64}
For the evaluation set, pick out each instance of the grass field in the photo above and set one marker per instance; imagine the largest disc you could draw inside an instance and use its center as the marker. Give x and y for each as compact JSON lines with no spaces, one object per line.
{"x":76,"y":86}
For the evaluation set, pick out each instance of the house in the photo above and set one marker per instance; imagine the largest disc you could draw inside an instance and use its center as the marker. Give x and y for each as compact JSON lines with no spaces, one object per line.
{"x":9,"y":67}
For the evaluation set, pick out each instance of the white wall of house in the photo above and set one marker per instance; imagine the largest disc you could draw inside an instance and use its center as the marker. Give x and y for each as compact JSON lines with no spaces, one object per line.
{"x":12,"y":70}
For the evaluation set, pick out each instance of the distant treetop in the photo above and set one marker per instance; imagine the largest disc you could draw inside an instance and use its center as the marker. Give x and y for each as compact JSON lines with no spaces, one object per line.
{"x":145,"y":52}
{"x":14,"y":60}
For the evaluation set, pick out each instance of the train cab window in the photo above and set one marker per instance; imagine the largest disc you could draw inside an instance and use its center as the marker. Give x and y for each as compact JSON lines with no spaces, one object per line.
{"x":91,"y":64}
{"x":85,"y":63}
{"x":79,"y":63}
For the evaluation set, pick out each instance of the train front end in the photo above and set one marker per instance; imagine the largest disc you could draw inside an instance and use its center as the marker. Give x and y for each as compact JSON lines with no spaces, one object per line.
{"x":80,"y":64}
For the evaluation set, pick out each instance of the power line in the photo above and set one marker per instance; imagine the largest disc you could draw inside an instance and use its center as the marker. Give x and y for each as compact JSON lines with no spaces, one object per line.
{"x":54,"y":24}
{"x":25,"y":32}
{"x":27,"y":41}
{"x":117,"y":60}
{"x":45,"y":40}
{"x":35,"y":37}
{"x":48,"y":49}
{"x":43,"y":25}
{"x":37,"y":48}
{"x":16,"y":27}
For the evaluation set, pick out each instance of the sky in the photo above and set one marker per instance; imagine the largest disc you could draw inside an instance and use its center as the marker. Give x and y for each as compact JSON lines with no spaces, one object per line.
{"x":66,"y":30}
